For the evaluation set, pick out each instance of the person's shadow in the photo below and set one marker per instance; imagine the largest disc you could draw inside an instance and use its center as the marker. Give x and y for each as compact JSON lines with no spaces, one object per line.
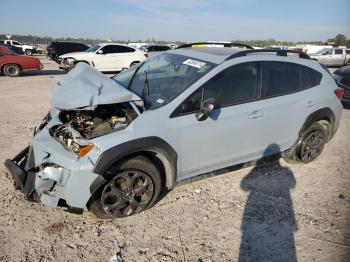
{"x":268,"y":222}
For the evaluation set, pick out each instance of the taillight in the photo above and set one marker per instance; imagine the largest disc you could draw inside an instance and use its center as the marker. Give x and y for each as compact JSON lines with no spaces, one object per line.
{"x":146,"y":55}
{"x":339,"y":92}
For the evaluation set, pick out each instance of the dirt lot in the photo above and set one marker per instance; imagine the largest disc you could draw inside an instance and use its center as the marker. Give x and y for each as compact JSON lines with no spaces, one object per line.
{"x":278,"y":212}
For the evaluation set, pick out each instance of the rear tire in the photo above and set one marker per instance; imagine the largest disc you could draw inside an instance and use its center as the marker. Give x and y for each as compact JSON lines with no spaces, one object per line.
{"x":11,"y":70}
{"x":310,"y":144}
{"x":134,"y":186}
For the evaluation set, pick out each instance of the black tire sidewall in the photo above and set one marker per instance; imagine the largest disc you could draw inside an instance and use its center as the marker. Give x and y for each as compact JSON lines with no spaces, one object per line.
{"x":6,"y":67}
{"x":139,"y":163}
{"x":314,"y":127}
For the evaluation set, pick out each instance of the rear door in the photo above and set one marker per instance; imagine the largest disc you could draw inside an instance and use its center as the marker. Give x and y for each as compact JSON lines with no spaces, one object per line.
{"x":288,"y":98}
{"x":338,"y":57}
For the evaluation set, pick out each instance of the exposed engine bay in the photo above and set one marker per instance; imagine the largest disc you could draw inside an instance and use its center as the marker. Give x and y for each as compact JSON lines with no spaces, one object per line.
{"x":81,"y":125}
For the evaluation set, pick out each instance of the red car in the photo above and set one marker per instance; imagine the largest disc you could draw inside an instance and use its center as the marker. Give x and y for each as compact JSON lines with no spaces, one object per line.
{"x":12,"y":64}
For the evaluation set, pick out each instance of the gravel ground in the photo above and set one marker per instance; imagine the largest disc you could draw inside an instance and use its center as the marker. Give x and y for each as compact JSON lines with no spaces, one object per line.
{"x":277,"y":212}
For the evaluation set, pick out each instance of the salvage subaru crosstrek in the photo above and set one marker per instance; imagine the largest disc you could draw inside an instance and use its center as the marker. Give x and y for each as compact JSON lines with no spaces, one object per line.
{"x":114,"y":144}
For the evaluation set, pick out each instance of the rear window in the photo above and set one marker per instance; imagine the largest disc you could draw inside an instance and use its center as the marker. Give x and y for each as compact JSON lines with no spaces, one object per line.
{"x":286,"y":78}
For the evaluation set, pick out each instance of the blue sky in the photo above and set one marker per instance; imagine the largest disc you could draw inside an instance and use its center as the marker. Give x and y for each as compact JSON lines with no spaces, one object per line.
{"x":186,"y":20}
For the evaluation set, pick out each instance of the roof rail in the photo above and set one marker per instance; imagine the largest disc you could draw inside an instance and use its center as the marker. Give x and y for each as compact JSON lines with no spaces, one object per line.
{"x":225,"y":44}
{"x":277,"y":51}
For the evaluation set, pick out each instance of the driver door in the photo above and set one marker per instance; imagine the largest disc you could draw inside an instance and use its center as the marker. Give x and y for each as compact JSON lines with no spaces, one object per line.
{"x":232,"y":132}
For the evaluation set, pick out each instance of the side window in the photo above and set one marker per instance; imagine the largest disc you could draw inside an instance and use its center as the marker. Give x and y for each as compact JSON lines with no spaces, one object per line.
{"x":281,"y":78}
{"x":152,"y":49}
{"x":122,"y":49}
{"x":15,"y":43}
{"x":338,"y":51}
{"x":348,"y":51}
{"x":127,"y":49}
{"x":108,"y":49}
{"x":235,"y":85}
{"x":309,"y":77}
{"x":82,"y":47}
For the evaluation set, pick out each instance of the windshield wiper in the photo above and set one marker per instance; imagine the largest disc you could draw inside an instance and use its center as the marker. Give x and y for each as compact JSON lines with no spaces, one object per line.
{"x":146,"y":85}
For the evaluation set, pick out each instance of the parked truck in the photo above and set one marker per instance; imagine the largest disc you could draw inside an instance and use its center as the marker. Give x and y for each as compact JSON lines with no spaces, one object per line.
{"x":27,"y":49}
{"x":332,"y":56}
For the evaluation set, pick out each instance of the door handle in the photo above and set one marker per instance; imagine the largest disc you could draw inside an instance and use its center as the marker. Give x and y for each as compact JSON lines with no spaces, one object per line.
{"x":309,"y":103}
{"x":256,"y":114}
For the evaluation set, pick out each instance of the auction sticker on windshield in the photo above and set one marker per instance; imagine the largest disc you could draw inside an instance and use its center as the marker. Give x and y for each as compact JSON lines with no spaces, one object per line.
{"x":194,"y":63}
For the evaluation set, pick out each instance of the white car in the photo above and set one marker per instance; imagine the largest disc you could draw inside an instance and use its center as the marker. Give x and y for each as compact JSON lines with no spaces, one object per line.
{"x":27,"y":49}
{"x":105,"y":57}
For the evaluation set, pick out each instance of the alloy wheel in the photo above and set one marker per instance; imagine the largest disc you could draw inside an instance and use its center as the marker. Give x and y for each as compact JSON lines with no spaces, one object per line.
{"x":128,"y":193}
{"x":312,"y":146}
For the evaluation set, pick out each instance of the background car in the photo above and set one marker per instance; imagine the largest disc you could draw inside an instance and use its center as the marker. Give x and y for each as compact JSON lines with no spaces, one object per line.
{"x":11,"y":64}
{"x":16,"y":49}
{"x":342,"y":77}
{"x":55,"y":49}
{"x":332,"y":56}
{"x":105,"y":57}
{"x":27,"y":49}
{"x":152,"y":50}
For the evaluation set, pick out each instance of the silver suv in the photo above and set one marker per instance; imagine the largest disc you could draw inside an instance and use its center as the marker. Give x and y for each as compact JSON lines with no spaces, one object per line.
{"x":114,"y":144}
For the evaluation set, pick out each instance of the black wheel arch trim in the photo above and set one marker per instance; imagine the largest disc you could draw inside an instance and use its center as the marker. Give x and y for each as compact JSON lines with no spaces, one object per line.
{"x":146,"y":144}
{"x":320,"y":114}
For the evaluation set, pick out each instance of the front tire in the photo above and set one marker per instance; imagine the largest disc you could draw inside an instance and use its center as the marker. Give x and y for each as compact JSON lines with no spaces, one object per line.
{"x":28,"y":52}
{"x":133,"y":187}
{"x":11,"y":70}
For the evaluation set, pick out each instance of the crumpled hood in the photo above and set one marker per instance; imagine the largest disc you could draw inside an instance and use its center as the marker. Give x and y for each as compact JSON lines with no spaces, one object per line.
{"x":86,"y":87}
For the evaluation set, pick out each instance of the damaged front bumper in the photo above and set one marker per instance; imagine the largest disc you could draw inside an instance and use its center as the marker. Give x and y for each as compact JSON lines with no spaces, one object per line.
{"x":46,"y":172}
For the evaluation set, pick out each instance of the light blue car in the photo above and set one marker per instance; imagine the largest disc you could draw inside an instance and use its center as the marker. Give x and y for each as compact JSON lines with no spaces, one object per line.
{"x":114,"y":144}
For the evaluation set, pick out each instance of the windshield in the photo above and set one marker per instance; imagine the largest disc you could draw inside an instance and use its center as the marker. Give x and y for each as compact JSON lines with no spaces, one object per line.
{"x":11,"y":51}
{"x":94,"y":48}
{"x":162,"y":78}
{"x":324,"y":51}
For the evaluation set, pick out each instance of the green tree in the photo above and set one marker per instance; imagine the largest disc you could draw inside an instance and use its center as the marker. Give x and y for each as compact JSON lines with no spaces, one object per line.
{"x":340,"y":40}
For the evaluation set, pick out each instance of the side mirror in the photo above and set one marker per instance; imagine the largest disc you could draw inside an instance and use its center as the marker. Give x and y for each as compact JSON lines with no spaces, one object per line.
{"x":100,"y":52}
{"x":206,"y":109}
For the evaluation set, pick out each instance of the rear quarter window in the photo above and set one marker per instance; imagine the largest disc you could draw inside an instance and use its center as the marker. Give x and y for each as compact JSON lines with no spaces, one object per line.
{"x":309,"y":77}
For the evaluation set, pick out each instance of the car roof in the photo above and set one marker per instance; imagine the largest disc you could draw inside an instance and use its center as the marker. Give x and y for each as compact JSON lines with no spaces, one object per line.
{"x":113,"y":44}
{"x":65,"y":42}
{"x":215,"y":55}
